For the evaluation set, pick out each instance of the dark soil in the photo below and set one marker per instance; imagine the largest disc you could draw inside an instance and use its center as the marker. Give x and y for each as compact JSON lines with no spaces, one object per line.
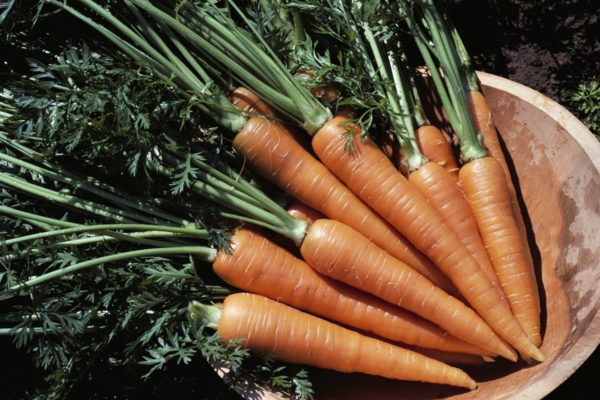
{"x":548,"y":45}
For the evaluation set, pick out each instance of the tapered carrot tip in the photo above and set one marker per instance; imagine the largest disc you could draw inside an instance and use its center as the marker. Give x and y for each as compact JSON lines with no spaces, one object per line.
{"x":510,"y":354}
{"x":537,"y":355}
{"x":472,"y":384}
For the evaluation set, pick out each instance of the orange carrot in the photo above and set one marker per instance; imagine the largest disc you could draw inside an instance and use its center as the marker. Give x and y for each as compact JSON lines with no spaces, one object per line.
{"x":471,"y":120}
{"x":274,"y":153}
{"x":338,"y":251}
{"x":247,"y":101}
{"x":259,"y":266}
{"x":485,"y":188}
{"x":442,"y":192}
{"x":436,"y":147}
{"x":482,"y":119}
{"x":268,"y":327}
{"x":448,"y":357}
{"x":303,"y":212}
{"x":371,"y":175}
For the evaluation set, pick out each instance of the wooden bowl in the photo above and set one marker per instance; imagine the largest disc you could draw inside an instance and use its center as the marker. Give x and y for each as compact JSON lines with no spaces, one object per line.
{"x":556,"y":165}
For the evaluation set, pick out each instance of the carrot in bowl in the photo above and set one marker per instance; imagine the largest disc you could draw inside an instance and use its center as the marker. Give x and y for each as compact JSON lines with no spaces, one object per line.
{"x":258,"y":265}
{"x":268,"y":327}
{"x":484,"y":181}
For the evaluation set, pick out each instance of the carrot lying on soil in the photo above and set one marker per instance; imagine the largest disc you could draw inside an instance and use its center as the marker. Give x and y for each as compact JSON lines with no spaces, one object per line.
{"x":257,"y":265}
{"x":371,"y":175}
{"x":268,"y":327}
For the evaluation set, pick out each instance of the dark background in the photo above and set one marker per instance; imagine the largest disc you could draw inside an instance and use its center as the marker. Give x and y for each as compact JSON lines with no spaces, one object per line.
{"x":549,"y":45}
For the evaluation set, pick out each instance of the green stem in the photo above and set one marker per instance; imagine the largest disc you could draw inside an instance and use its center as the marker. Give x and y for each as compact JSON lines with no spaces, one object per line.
{"x":209,"y":315}
{"x":399,"y":110}
{"x":128,"y":48}
{"x":141,"y":238}
{"x":176,"y":65}
{"x":91,"y":207}
{"x":267,"y":213}
{"x":243,"y":186}
{"x":433,"y":70}
{"x":92,"y":186}
{"x":35,"y":330}
{"x":34,"y":217}
{"x":201,"y":234}
{"x":205,"y":253}
{"x":261,"y":72}
{"x":471,"y":143}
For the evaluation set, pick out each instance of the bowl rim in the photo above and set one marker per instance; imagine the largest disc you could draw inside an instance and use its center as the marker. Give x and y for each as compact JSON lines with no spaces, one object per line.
{"x":589,"y":340}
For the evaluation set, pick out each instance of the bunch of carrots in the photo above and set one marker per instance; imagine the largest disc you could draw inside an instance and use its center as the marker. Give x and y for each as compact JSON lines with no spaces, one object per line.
{"x":427,"y":253}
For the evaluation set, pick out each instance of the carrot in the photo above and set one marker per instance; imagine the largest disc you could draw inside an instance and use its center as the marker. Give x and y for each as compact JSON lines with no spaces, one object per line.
{"x":268,"y":148}
{"x":370,"y":174}
{"x":303,"y":212}
{"x":436,"y":147}
{"x":338,"y":251}
{"x":248,"y":61}
{"x":247,"y":101}
{"x":435,"y":27}
{"x":462,"y":85}
{"x":485,"y":188}
{"x":274,"y":153}
{"x":442,"y":192}
{"x":268,"y":327}
{"x":482,"y":119}
{"x":434,"y":171}
{"x":259,"y":266}
{"x":448,"y":357}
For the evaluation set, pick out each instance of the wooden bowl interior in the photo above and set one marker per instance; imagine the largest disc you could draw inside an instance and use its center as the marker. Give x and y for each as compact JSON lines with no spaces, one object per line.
{"x":555,"y":162}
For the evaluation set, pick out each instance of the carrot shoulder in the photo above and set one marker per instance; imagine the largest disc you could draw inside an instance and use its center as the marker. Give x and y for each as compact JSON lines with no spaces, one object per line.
{"x":303,"y":212}
{"x":436,"y":147}
{"x":368,"y":173}
{"x":272,"y":151}
{"x":268,"y":327}
{"x":247,"y":101}
{"x":257,"y":265}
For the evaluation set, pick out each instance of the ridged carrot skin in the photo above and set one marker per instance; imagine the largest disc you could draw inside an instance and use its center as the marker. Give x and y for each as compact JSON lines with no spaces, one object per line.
{"x":272,"y":151}
{"x":436,"y":147}
{"x":482,"y":119}
{"x":259,"y":266}
{"x":484,"y":185}
{"x":370,"y":175}
{"x":441,"y":190}
{"x":268,"y":327}
{"x":338,"y":251}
